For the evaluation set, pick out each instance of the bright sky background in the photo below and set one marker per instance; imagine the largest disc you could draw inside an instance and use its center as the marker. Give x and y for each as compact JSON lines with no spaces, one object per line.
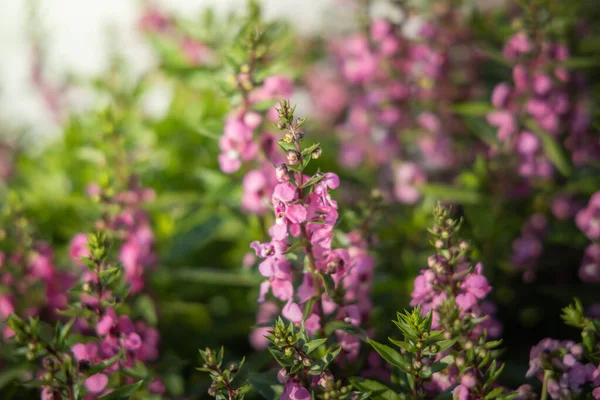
{"x":76,"y":36}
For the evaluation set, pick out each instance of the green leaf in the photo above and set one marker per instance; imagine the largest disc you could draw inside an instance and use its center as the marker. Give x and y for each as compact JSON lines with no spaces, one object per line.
{"x":138,"y":371}
{"x":123,"y":393}
{"x":437,"y":367}
{"x":267,"y":385}
{"x":379,"y":390}
{"x":328,"y":283}
{"x":313,"y":345}
{"x":552,"y":149}
{"x":146,"y":308}
{"x":10,"y":374}
{"x":446,"y":344}
{"x":390,"y":355}
{"x":297,"y":245}
{"x":403,"y":345}
{"x":210,"y":276}
{"x":322,"y":364}
{"x":101,"y":366}
{"x":494,"y":393}
{"x":478,"y":108}
{"x":307,"y":151}
{"x":348,"y":328}
{"x":315,"y":178}
{"x":580,"y":62}
{"x":449,"y":193}
{"x":64,"y":331}
{"x":308,"y":306}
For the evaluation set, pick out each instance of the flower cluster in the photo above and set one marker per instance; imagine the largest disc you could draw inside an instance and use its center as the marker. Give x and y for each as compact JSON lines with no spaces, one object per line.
{"x":527,"y":248}
{"x":540,"y":101}
{"x":588,"y":220}
{"x":399,"y":95}
{"x":246,"y":142}
{"x":125,"y":217}
{"x":31,"y":285}
{"x":336,"y":282}
{"x":113,"y":344}
{"x":454,"y":292}
{"x":159,"y":26}
{"x":566,"y":368}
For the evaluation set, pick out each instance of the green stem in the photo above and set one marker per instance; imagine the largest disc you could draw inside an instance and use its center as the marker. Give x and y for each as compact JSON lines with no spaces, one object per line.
{"x":547,"y":374}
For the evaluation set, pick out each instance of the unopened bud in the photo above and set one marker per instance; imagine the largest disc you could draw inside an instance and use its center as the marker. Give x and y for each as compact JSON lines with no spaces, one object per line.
{"x":233,"y":367}
{"x":293,"y":157}
{"x":306,"y":362}
{"x":316,"y":153}
{"x":288,"y":352}
{"x":439,"y":244}
{"x":288,"y":138}
{"x":281,"y":126}
{"x":417,"y":365}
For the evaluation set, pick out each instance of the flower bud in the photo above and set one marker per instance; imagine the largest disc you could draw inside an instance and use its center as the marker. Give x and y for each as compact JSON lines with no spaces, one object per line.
{"x":316,"y":153}
{"x":233,"y":367}
{"x":281,"y":126}
{"x":293,"y":157}
{"x":417,"y":365}
{"x":288,"y":138}
{"x":288,"y":352}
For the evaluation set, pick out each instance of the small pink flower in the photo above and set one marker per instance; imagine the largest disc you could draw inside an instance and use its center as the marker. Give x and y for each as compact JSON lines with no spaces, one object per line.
{"x":96,"y":383}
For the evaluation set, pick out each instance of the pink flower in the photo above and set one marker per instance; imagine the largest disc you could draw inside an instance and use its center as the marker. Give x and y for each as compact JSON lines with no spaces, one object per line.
{"x":505,"y":123}
{"x":407,"y":177}
{"x":588,"y":219}
{"x":286,"y":212}
{"x":590,"y":265}
{"x":78,"y":249}
{"x":293,"y":391}
{"x":477,"y":284}
{"x":96,"y":383}
{"x":500,"y":94}
{"x":292,"y":312}
{"x":6,"y":306}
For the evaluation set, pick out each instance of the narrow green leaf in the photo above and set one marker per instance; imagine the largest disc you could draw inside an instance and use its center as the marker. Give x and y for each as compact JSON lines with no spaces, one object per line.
{"x":313,"y":345}
{"x":123,"y":393}
{"x":552,"y":149}
{"x":479,"y":108}
{"x":379,"y":390}
{"x":390,"y":355}
{"x":322,"y":364}
{"x":267,"y":385}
